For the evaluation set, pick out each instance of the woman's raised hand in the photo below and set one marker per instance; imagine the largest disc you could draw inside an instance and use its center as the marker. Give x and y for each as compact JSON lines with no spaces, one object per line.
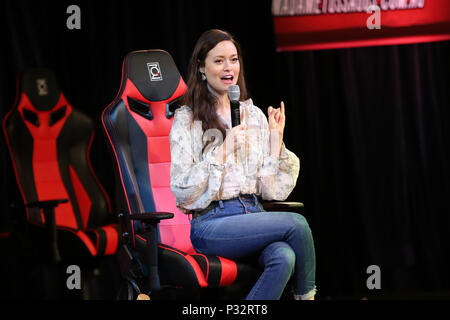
{"x":277,"y":118}
{"x":277,"y":121}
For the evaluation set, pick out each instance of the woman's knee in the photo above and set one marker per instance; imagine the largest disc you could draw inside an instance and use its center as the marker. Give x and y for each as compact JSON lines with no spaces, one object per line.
{"x":299,"y":223}
{"x":280,"y":253}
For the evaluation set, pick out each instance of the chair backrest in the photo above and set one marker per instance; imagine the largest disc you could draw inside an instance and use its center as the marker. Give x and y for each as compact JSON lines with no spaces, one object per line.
{"x":137,"y":124}
{"x":49,"y":143}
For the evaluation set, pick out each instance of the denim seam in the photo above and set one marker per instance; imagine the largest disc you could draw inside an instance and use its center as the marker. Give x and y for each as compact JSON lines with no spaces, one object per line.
{"x":305,"y":285}
{"x":252,"y":236}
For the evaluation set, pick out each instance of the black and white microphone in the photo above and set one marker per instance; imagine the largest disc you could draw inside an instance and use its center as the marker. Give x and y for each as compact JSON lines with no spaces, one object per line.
{"x":234,"y":93}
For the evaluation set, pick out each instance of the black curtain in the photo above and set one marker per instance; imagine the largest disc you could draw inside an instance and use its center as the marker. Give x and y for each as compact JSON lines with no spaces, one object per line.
{"x":370,"y":125}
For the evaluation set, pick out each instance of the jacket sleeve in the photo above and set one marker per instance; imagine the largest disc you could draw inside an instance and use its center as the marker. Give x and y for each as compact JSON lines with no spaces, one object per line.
{"x":195,"y":180}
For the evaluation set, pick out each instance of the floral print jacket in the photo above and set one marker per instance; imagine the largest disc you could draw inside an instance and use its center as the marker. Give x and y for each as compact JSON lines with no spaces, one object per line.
{"x":197,"y":178}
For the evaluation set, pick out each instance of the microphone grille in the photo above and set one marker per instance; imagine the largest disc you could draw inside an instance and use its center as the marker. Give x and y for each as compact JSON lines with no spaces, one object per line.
{"x":234,"y":93}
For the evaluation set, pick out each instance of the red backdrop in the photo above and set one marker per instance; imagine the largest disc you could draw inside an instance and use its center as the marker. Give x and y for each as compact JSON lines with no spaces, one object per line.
{"x":309,"y":25}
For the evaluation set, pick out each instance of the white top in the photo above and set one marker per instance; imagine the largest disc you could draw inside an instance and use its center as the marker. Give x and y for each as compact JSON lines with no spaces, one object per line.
{"x":197,"y":178}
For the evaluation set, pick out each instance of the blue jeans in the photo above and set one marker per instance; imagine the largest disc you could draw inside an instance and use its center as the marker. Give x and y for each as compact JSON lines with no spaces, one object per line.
{"x":282,"y":241}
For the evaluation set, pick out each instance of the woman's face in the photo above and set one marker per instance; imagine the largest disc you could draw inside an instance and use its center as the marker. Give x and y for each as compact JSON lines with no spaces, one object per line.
{"x":222,"y":66}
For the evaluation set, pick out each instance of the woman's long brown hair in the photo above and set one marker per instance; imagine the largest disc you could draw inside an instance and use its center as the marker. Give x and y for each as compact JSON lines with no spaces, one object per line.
{"x":198,"y":97}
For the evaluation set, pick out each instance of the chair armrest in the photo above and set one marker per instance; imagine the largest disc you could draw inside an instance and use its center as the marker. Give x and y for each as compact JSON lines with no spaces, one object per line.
{"x":47,"y":204}
{"x":282,"y":206}
{"x":48,"y":207}
{"x":151,"y":216}
{"x":151,"y":219}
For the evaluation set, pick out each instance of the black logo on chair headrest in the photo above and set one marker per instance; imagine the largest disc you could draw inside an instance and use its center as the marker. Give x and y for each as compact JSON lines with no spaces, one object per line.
{"x":155,"y":71}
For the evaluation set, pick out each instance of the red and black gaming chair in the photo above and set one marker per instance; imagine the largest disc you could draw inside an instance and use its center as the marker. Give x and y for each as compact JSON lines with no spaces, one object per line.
{"x":157,"y":250}
{"x":49,"y":143}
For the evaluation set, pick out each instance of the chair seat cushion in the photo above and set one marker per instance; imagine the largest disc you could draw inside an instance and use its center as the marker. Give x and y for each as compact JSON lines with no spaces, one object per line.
{"x":79,"y":245}
{"x":99,"y":241}
{"x":105,"y":238}
{"x":178,"y":268}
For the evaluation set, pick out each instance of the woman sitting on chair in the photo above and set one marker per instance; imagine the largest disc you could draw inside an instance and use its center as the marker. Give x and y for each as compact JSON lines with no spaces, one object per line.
{"x":221,"y":182}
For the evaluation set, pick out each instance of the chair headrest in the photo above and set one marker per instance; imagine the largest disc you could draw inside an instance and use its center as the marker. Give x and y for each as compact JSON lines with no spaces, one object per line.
{"x":153,"y":73}
{"x":41,"y":87}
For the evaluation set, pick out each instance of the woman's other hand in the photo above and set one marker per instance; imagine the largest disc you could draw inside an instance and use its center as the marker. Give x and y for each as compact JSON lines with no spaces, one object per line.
{"x":277,"y":121}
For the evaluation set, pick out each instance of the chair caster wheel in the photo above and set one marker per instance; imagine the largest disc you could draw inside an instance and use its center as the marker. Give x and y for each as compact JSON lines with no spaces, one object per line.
{"x":142,"y":296}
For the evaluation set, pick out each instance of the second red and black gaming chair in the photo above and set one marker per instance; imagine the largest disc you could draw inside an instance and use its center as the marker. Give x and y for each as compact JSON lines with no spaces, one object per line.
{"x":49,"y":143}
{"x":137,"y":124}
